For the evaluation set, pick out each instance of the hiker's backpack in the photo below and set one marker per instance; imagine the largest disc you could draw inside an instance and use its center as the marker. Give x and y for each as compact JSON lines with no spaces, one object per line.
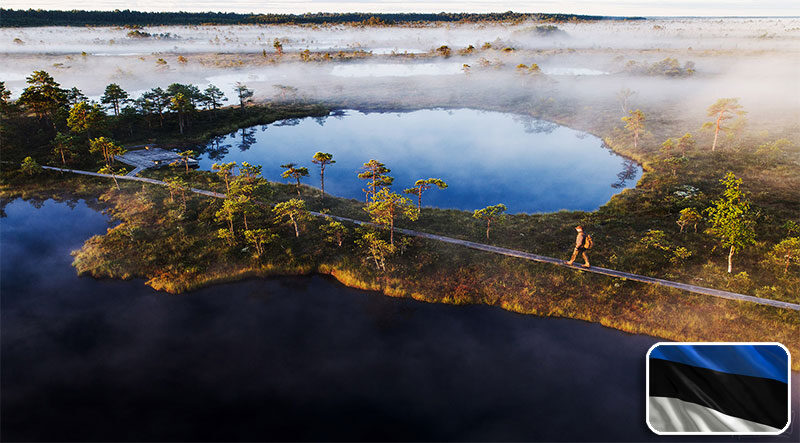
{"x":588,"y":242}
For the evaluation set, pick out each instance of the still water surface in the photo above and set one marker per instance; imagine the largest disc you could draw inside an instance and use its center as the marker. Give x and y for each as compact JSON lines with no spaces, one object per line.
{"x":301,"y":358}
{"x":487,"y":158}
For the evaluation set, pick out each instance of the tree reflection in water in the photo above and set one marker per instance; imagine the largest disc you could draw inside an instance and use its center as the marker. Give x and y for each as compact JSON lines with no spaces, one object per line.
{"x":287,"y":122}
{"x":216,"y":149}
{"x":628,"y":173}
{"x":535,"y":125}
{"x":248,"y":138}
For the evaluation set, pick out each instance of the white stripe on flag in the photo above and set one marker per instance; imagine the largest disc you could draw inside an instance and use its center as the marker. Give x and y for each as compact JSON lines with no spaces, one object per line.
{"x":669,"y":414}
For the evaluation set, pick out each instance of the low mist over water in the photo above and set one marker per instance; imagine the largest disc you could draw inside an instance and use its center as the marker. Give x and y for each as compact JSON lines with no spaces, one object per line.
{"x":589,"y":62}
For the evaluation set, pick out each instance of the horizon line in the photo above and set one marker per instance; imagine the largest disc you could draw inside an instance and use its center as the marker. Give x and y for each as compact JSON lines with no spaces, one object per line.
{"x":398,"y":12}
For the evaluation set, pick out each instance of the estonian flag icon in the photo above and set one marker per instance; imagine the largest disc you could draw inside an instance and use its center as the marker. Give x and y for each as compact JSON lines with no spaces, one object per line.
{"x":718,"y":388}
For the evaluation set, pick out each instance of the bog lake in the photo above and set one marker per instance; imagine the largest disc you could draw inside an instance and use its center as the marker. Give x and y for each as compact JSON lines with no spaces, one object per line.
{"x":485,"y":157}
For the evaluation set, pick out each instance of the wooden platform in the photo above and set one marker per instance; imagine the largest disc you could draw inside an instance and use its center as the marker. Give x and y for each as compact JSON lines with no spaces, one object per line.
{"x":152,"y":158}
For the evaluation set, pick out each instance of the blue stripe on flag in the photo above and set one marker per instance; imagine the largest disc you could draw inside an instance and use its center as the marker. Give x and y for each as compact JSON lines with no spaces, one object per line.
{"x":766,"y":361}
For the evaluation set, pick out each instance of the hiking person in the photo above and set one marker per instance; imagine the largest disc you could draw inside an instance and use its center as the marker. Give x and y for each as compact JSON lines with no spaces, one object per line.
{"x":583,"y":242}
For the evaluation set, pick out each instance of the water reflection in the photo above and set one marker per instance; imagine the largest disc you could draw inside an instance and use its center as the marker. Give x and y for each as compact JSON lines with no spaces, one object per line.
{"x":299,"y":358}
{"x":288,"y":122}
{"x":530,"y":165}
{"x":536,"y":126}
{"x":247,"y":138}
{"x":629,"y":172}
{"x":216,"y":149}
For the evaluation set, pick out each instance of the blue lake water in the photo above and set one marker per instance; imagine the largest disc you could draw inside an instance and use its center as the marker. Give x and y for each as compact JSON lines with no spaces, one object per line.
{"x":295,"y":358}
{"x":486,"y":158}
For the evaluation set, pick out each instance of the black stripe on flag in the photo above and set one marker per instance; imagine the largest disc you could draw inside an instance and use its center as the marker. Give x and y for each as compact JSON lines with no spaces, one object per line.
{"x":757,"y":399}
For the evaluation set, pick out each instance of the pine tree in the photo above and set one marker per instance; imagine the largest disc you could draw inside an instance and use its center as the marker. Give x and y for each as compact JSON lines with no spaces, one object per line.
{"x":376,"y":174}
{"x":296,"y":173}
{"x":322,"y":159}
{"x":386,"y":207}
{"x":421,"y":186}
{"x":724,"y":109}
{"x":114,"y":96}
{"x":490,"y":214}
{"x":635,"y":124}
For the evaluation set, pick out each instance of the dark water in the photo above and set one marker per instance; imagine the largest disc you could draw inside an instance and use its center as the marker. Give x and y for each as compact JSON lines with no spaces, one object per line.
{"x":487,"y":158}
{"x":289,"y":359}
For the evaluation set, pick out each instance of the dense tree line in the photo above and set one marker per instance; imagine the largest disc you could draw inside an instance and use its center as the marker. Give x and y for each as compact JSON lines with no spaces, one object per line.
{"x":64,"y":119}
{"x":38,"y":17}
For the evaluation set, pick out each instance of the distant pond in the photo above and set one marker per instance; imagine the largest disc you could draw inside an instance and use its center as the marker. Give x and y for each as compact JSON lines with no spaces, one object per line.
{"x":528,"y":164}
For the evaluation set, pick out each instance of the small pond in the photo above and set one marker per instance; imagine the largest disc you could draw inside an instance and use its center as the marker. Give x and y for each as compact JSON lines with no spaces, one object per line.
{"x":528,"y":164}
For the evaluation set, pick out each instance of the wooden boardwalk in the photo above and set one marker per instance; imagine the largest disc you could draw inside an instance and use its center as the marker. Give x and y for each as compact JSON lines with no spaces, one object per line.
{"x":138,"y":179}
{"x":505,"y":251}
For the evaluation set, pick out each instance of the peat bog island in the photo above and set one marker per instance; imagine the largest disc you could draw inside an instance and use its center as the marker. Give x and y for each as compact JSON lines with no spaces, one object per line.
{"x":356,"y":226}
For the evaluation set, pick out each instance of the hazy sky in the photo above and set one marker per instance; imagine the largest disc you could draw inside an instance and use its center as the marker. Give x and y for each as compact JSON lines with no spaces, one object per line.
{"x":592,"y":7}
